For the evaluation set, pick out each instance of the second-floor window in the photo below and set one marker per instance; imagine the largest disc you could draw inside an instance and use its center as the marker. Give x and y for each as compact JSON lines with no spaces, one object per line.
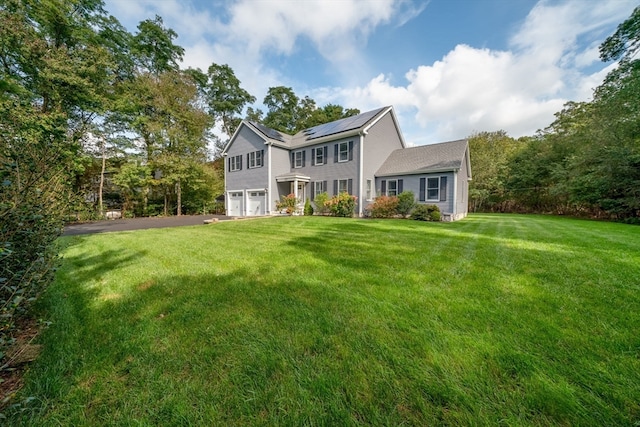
{"x":343,"y":152}
{"x":298,"y":159}
{"x":235,"y":163}
{"x":255,"y":159}
{"x":318,"y":156}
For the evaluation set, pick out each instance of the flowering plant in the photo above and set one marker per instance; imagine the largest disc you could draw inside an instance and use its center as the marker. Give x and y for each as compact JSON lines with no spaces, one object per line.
{"x":342,"y":205}
{"x":288,"y":203}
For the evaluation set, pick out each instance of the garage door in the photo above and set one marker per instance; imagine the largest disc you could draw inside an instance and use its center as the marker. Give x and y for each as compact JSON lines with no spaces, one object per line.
{"x":235,"y":204}
{"x":256,"y":204}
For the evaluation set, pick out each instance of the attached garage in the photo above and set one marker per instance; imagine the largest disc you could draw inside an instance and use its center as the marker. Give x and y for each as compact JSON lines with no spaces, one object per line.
{"x":235,"y":206}
{"x":256,"y":205}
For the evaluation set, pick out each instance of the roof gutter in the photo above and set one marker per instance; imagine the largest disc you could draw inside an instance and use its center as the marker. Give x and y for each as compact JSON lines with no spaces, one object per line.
{"x":420,"y":172}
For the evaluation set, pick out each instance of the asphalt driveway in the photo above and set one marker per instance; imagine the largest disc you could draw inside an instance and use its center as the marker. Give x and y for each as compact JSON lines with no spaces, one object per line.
{"x":138,"y":224}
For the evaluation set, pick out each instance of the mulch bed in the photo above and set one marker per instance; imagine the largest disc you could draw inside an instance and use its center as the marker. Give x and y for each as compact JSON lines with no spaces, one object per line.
{"x":17,"y":358}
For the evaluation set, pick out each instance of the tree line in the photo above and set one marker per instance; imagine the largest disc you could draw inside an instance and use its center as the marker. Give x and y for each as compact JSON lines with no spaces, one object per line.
{"x":89,"y":108}
{"x":585,"y":163}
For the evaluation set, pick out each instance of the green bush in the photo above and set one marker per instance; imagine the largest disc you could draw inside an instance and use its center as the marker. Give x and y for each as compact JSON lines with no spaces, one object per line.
{"x":321,"y":203}
{"x":406,"y":203}
{"x":342,"y":205}
{"x":384,"y":207}
{"x":287,"y":203}
{"x":426,"y":213}
{"x":308,"y":209}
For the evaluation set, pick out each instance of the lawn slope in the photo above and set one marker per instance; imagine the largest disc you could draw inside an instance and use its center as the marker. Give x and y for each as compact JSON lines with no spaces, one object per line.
{"x":519,"y":320}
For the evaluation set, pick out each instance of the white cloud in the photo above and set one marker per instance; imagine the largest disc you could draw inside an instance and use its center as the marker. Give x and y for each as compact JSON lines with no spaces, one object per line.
{"x":519,"y":90}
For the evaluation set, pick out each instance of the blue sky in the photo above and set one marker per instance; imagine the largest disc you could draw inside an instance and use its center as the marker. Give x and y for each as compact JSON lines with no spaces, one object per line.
{"x":449,"y":67}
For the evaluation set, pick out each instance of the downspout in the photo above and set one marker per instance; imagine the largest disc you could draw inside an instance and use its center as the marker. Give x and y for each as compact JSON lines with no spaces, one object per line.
{"x":455,"y":194}
{"x":268,"y":210}
{"x":226,"y":192}
{"x":361,"y":174}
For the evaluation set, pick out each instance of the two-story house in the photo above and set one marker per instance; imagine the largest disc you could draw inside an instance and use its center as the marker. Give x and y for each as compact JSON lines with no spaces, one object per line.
{"x":363,"y":155}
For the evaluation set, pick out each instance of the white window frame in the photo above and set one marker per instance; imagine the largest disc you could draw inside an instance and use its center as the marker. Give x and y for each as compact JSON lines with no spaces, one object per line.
{"x":255,"y":159}
{"x":319,"y":160}
{"x":395,"y":189}
{"x":234,"y":163}
{"x":436,"y":189}
{"x":297,"y":159}
{"x":342,"y":189}
{"x":345,"y":152}
{"x":317,"y":188}
{"x":368,"y":190}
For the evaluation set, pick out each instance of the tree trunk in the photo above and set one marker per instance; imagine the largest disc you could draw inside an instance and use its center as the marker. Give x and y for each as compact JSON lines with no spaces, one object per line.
{"x":179,"y":197}
{"x":104,"y":163}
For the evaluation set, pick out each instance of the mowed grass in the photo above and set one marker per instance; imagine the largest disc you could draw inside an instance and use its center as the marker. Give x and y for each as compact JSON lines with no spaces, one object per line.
{"x":496,"y":319}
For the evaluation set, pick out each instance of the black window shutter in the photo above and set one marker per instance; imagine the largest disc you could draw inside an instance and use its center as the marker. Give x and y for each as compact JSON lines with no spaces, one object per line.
{"x":443,"y":188}
{"x":350,"y":186}
{"x":324,"y":186}
{"x":240,"y":161}
{"x":229,"y":165}
{"x":293,"y":160}
{"x":261,"y":157}
{"x":423,"y":188}
{"x":335,"y":187}
{"x":303,"y":157}
{"x":399,"y":186}
{"x":350,"y":150}
{"x":335,"y":153}
{"x":248,"y":162}
{"x":383,"y":187}
{"x":313,"y":190}
{"x":313,"y":157}
{"x":326,"y":154}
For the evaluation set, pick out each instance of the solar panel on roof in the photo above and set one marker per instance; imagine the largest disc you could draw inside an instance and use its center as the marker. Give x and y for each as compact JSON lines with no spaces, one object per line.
{"x":341,"y":125}
{"x":271,"y":133}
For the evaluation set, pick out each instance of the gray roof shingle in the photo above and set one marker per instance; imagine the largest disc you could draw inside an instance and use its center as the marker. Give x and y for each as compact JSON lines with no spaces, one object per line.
{"x":425,"y":158}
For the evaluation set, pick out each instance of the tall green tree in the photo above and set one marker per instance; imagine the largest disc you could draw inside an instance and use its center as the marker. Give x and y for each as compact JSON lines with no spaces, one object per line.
{"x":56,"y":69}
{"x":290,"y":114}
{"x":490,"y":154}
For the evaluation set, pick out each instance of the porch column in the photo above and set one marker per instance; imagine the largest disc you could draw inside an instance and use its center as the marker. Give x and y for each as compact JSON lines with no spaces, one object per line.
{"x":295,"y":188}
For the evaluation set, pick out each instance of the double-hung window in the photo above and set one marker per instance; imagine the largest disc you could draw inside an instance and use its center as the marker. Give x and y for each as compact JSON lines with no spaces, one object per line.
{"x":392,"y":187}
{"x":256,"y":159}
{"x":298,"y":159}
{"x":318,"y":155}
{"x":433,"y":189}
{"x":343,"y":152}
{"x":235,"y":163}
{"x":343,"y":186}
{"x":319,"y":187}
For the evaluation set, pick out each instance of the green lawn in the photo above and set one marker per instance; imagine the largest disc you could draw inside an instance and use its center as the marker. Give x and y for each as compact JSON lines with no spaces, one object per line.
{"x":496,"y":319}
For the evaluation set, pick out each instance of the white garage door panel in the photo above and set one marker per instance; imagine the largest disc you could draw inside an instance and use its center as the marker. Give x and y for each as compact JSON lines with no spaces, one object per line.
{"x":235,"y":204}
{"x":256,"y":205}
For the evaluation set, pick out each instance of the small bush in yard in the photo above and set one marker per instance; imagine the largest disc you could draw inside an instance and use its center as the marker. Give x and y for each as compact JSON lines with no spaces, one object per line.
{"x":384,"y":207}
{"x":321,"y":201}
{"x":342,"y":205}
{"x":308,"y":209}
{"x":406,"y":202}
{"x":287,"y":203}
{"x":426,"y":213}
